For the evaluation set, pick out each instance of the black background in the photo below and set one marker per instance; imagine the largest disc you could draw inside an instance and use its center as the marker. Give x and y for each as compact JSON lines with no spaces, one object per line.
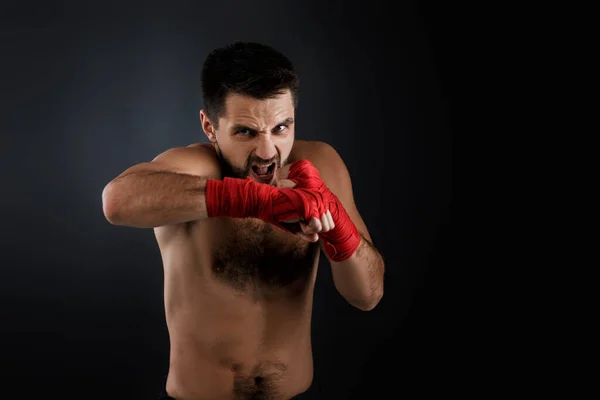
{"x":91,"y":89}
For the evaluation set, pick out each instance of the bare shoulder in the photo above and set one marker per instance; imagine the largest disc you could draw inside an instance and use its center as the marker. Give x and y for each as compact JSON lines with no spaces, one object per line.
{"x":322,"y":155}
{"x":198,"y":149}
{"x":196,"y":159}
{"x":312,"y":150}
{"x":202,"y":146}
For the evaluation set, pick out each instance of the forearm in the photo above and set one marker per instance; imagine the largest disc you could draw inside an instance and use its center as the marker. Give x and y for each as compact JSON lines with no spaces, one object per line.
{"x":149,"y":199}
{"x":359,"y":279}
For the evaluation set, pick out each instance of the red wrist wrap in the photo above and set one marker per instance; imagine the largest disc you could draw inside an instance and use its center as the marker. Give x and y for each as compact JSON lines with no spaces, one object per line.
{"x":237,"y":198}
{"x":241,"y":198}
{"x":341,"y":242}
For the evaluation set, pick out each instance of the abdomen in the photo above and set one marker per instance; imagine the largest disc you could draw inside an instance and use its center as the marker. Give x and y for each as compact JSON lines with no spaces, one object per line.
{"x":234,"y":334}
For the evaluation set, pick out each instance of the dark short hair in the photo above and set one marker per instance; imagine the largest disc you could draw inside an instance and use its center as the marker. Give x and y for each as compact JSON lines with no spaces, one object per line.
{"x":246,"y":68}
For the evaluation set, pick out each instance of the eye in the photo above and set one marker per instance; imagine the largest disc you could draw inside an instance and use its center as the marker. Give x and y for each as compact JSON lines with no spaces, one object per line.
{"x":244,"y":132}
{"x":280,"y":128}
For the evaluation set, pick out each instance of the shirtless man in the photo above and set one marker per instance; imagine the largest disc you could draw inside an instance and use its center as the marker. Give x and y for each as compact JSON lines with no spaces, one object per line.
{"x":240,"y":223}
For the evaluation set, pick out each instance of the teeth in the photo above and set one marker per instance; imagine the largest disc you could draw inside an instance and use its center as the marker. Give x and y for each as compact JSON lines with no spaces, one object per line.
{"x":262,"y":170}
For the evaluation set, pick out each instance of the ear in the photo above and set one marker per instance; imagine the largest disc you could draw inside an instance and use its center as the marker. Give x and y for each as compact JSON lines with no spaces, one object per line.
{"x":207,"y":127}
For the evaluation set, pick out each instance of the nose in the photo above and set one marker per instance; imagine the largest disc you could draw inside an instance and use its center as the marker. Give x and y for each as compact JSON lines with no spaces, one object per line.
{"x":265,"y":147}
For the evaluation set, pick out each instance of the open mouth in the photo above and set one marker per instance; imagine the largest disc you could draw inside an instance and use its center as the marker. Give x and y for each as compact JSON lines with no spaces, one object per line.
{"x":263,"y":173}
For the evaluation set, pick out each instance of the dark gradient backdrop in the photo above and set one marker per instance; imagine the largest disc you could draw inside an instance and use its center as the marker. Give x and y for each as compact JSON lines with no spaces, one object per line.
{"x":88,"y":91}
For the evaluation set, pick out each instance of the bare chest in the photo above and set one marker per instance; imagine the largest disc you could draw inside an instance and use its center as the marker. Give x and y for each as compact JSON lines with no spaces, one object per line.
{"x":249,"y":252}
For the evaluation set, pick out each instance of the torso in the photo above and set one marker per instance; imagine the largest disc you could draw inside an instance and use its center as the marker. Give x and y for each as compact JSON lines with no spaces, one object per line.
{"x":238,"y":302}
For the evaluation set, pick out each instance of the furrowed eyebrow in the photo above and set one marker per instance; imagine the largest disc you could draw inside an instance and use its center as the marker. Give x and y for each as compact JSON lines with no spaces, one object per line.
{"x":287,"y":121}
{"x":238,"y":127}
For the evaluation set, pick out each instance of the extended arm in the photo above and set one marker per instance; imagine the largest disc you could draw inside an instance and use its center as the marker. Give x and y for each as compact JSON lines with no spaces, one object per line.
{"x":183,"y":184}
{"x":168,"y":190}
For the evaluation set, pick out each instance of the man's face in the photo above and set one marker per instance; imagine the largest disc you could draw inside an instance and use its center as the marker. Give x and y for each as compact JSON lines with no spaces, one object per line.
{"x":255,"y":137}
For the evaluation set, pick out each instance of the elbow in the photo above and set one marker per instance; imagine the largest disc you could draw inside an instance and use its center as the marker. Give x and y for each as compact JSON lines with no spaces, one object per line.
{"x":110,"y":206}
{"x":368,"y":303}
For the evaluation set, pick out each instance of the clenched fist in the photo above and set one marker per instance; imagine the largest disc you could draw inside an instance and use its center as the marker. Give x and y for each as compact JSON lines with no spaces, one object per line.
{"x":331,"y":222}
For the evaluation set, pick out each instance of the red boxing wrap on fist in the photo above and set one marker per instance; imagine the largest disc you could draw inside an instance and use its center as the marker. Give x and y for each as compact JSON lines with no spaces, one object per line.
{"x":242,"y":198}
{"x":342,"y":241}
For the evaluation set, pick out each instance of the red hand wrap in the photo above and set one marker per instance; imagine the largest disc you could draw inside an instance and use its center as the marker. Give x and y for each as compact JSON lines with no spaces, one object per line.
{"x":342,"y":241}
{"x":241,"y":198}
{"x":237,"y":198}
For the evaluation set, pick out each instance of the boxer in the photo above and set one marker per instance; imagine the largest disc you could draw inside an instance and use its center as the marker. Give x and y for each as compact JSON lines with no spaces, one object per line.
{"x":240,"y":223}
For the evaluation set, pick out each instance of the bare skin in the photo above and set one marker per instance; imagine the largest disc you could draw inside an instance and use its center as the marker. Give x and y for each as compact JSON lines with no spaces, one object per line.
{"x":238,"y":292}
{"x":238,"y":302}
